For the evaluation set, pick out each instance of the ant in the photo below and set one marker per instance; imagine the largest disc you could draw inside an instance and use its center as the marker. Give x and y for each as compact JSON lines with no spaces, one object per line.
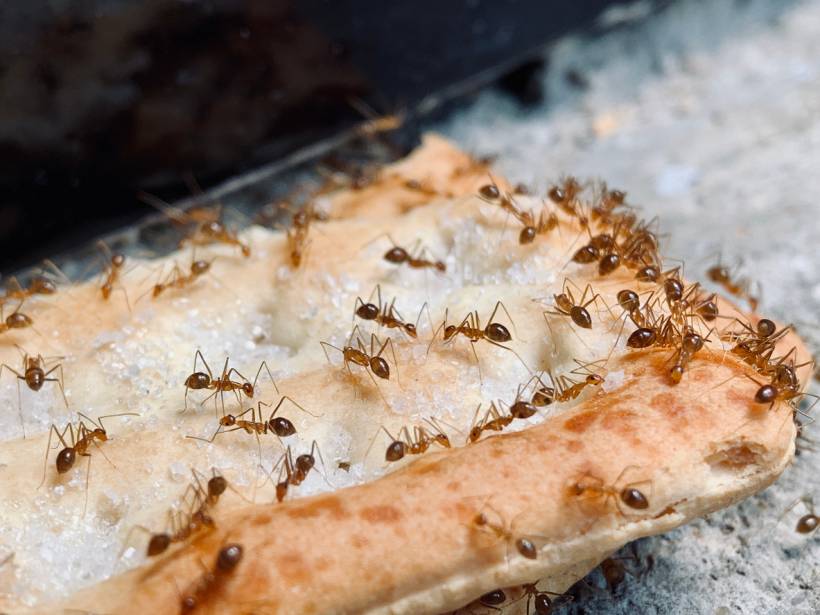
{"x":565,"y":195}
{"x":413,"y":258}
{"x":493,"y":599}
{"x":591,"y":489}
{"x":385,"y":315}
{"x":81,"y":437}
{"x":524,"y":545}
{"x":493,"y":420}
{"x":373,"y":363}
{"x":809,"y":522}
{"x":295,"y":472}
{"x":565,"y":305}
{"x":177,"y":279}
{"x":15,"y":320}
{"x":200,"y":380}
{"x":228,"y":558}
{"x":181,"y":525}
{"x":778,"y":390}
{"x":470,"y":327}
{"x":39,"y":285}
{"x":690,"y":343}
{"x":35,"y":375}
{"x":739,"y":287}
{"x":278,"y":425}
{"x":531,"y":227}
{"x":541,"y":602}
{"x":542,"y":226}
{"x":416,"y":444}
{"x":297,"y":240}
{"x":208,"y":225}
{"x":566,"y":389}
{"x":113,"y":270}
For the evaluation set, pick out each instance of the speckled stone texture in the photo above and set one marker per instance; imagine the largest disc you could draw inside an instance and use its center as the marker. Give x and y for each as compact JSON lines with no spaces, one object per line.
{"x":708,"y":114}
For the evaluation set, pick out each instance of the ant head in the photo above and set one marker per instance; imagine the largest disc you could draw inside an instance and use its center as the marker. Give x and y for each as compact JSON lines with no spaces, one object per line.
{"x":246,"y":250}
{"x":229,"y":420}
{"x":498,"y":332}
{"x":440,"y":267}
{"x":247,"y":389}
{"x":118,"y":260}
{"x":396,"y":255}
{"x":65,"y":460}
{"x":594,"y":379}
{"x":281,"y":426}
{"x":410,"y":329}
{"x":367,"y":311}
{"x":380,"y":367}
{"x":18,"y":320}
{"x":449,"y":331}
{"x":198,"y":380}
{"x":395,"y":451}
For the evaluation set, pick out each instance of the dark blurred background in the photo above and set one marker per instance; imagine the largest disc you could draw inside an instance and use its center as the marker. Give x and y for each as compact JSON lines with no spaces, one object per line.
{"x":100,"y":99}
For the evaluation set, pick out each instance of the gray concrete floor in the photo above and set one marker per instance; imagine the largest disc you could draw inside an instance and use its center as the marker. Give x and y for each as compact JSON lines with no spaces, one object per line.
{"x":708,"y":114}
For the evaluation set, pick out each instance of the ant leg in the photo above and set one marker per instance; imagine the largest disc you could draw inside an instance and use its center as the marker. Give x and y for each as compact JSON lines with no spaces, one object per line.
{"x":20,"y":409}
{"x":325,"y":346}
{"x":285,"y":397}
{"x":267,"y":369}
{"x":198,"y":354}
{"x":518,"y":356}
{"x":59,"y":381}
{"x":478,"y":364}
{"x":52,"y":430}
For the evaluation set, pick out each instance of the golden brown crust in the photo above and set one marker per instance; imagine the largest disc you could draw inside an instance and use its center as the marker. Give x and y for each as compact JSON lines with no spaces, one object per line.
{"x":405,"y":544}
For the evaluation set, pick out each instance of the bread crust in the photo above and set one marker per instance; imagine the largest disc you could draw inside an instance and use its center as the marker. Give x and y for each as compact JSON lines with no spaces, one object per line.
{"x":407,"y":542}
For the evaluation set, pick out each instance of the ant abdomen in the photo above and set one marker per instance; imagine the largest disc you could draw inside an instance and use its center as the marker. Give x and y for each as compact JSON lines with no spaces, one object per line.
{"x":641,"y":338}
{"x":65,"y":460}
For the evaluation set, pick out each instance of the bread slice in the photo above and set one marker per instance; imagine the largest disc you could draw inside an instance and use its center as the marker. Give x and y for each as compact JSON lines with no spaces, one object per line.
{"x":426,"y":534}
